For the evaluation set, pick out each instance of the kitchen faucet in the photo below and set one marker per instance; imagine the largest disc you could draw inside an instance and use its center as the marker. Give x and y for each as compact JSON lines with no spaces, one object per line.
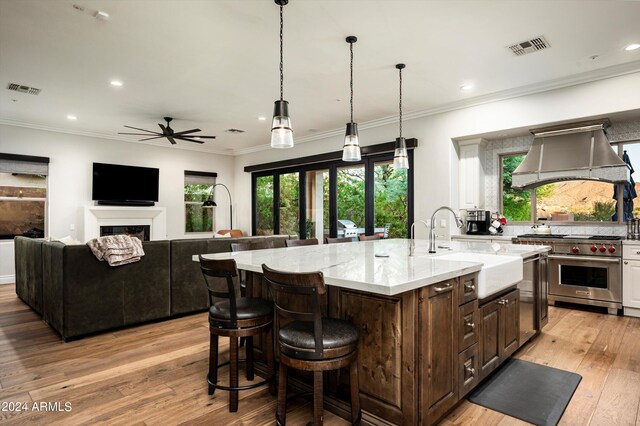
{"x":432,"y":232}
{"x":412,"y":241}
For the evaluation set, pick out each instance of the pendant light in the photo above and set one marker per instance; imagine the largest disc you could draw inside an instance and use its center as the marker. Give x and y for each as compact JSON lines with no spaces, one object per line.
{"x":281,"y":133}
{"x":351,"y":148}
{"x":400,"y":156}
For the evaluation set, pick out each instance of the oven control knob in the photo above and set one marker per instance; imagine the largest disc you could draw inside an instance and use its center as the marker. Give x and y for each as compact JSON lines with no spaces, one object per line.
{"x":575,"y":250}
{"x":612,"y":249}
{"x":603,"y":249}
{"x":593,"y":249}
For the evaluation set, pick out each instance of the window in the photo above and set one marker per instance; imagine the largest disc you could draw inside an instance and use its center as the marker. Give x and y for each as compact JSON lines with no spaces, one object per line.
{"x":567,"y":201}
{"x":23,"y":196}
{"x":334,"y":198}
{"x":197,"y":189}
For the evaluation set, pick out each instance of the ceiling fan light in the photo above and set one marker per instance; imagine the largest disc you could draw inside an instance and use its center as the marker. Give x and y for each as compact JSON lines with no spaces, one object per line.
{"x":400,"y":155}
{"x":281,"y":133}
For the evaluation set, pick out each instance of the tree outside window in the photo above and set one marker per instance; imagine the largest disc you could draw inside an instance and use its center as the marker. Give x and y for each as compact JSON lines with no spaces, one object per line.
{"x":197,"y":189}
{"x":23,"y":200}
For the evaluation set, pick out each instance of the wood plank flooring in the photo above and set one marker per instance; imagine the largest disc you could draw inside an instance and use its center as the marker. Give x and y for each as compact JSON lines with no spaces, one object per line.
{"x":155,"y":374}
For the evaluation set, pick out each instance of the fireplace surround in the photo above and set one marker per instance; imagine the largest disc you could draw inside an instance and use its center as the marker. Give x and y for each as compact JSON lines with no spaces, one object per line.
{"x":96,"y":217}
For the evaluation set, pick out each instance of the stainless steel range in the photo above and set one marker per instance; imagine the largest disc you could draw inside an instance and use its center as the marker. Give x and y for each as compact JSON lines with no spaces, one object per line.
{"x":583,"y":269}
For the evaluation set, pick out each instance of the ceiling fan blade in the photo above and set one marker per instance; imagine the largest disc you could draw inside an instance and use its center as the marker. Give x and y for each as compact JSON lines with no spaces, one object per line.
{"x":136,"y":128}
{"x":138,"y":134}
{"x":173,"y":142}
{"x":155,"y":137}
{"x":164,"y":129}
{"x":203,"y":137}
{"x":184,"y":132}
{"x":188,"y":140}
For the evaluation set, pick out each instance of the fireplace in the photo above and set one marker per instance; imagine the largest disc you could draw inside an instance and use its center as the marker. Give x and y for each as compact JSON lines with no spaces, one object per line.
{"x":140,"y":231}
{"x":96,"y":217}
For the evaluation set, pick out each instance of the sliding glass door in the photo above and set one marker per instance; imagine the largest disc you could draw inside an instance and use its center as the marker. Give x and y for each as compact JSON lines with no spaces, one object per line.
{"x":334,"y":199}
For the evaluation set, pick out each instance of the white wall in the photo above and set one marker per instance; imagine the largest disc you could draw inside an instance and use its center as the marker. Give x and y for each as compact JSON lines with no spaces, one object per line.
{"x":70,"y":176}
{"x":436,"y":159}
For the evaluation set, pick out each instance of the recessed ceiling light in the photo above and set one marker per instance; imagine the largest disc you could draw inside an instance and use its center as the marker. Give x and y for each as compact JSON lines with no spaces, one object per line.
{"x":71,"y":117}
{"x":633,"y":46}
{"x":466,"y":87}
{"x":116,"y":83}
{"x":262,"y":118}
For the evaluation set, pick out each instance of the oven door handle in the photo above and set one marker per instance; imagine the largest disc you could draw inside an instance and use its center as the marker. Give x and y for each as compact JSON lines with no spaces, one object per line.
{"x":589,"y":258}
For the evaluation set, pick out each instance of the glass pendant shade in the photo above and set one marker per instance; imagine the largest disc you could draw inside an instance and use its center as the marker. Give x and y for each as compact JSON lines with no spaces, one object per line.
{"x":400,"y":155}
{"x":281,"y":133}
{"x":351,"y":148}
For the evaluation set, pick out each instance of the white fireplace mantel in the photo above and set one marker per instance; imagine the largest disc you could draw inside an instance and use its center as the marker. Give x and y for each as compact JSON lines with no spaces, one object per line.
{"x":97,"y":216}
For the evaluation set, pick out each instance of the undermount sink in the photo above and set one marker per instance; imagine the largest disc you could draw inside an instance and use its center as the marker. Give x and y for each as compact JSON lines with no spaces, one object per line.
{"x":497,"y":273}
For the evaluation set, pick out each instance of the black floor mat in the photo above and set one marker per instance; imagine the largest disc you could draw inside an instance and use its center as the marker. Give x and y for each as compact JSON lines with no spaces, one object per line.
{"x":531,"y":392}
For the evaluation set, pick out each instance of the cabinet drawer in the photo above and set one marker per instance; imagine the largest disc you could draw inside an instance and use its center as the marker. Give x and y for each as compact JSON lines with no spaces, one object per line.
{"x":468,"y":370}
{"x":441,"y":287}
{"x":631,"y":252}
{"x":468,"y":289}
{"x":468,"y":323}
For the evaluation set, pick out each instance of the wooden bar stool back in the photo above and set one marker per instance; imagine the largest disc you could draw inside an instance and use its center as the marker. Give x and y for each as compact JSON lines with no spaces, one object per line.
{"x":368,"y":237}
{"x":297,"y":243}
{"x":235,"y":317}
{"x":308,"y":341}
{"x":329,"y":240}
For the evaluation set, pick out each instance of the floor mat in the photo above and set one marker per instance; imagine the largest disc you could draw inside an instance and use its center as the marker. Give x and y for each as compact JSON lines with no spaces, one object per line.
{"x":531,"y":392}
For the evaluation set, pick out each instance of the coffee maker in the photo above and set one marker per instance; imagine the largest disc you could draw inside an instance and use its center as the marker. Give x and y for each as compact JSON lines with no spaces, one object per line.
{"x":478,"y":222}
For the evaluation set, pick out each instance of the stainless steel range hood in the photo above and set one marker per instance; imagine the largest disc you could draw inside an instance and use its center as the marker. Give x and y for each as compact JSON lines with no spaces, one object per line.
{"x":578,"y":152}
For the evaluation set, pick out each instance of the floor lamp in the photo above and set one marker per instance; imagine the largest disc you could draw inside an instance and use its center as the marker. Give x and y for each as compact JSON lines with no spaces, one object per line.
{"x":209,"y":204}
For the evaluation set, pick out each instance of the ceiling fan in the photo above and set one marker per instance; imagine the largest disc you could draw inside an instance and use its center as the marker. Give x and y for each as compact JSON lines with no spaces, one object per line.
{"x":169,"y":133}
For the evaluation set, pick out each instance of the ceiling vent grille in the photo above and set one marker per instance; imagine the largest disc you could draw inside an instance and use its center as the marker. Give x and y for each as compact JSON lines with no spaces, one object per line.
{"x":234,"y":131}
{"x":23,"y":89}
{"x":529,"y":46}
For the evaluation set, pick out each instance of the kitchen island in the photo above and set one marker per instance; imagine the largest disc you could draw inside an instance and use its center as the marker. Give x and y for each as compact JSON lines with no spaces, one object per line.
{"x":426,"y":339}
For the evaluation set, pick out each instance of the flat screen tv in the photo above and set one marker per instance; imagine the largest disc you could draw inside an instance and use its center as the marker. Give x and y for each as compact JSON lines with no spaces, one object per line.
{"x":115,"y":184}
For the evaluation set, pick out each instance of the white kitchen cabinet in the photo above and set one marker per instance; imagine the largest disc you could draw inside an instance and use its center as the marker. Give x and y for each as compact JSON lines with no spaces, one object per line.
{"x":631,"y":279}
{"x":471,"y":173}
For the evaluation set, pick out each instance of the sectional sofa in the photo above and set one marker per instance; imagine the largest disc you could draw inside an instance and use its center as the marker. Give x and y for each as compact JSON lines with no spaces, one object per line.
{"x":78,"y":295}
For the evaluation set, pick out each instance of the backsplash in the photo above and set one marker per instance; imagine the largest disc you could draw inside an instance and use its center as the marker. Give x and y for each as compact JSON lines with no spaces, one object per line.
{"x":491,"y":163}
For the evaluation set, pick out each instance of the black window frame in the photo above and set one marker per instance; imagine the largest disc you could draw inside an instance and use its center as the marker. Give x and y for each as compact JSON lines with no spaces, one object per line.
{"x":332,"y":165}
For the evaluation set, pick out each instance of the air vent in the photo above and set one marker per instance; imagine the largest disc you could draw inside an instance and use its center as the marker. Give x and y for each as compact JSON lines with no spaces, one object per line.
{"x":529,"y":46}
{"x":23,"y":89}
{"x":234,"y":131}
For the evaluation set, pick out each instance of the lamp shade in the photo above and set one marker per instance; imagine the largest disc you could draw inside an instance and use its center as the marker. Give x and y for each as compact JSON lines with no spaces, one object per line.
{"x":351,"y":148}
{"x":281,"y":133}
{"x":400,"y":155}
{"x":209,"y":204}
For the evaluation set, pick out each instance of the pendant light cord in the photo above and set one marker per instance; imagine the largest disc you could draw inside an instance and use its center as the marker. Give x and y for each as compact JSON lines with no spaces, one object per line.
{"x":351,"y":78}
{"x":400,"y":102}
{"x":281,"y":55}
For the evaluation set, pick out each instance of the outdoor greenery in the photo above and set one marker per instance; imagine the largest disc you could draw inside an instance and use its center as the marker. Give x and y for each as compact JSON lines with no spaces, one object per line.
{"x":264,"y":205}
{"x":602,"y":211}
{"x":390,"y":194}
{"x":516,"y":203}
{"x":197,"y":219}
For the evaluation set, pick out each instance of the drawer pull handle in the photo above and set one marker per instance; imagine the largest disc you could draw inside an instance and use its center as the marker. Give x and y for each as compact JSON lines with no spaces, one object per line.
{"x":446,"y":287}
{"x":470,"y":287}
{"x":470,"y":325}
{"x":626,"y":263}
{"x":502,"y":302}
{"x":470,"y":370}
{"x":638,"y":252}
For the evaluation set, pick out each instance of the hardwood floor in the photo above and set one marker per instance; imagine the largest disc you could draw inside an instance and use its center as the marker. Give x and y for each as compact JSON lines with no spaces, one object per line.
{"x":155,"y":374}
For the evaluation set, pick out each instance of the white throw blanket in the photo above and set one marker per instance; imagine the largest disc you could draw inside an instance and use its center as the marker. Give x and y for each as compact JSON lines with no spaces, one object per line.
{"x":117,"y":249}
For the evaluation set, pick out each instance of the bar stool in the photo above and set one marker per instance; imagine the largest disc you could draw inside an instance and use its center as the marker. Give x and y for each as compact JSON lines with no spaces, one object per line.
{"x":308,"y":341}
{"x":368,"y":237}
{"x":297,"y":243}
{"x":235,"y":317}
{"x":329,"y":240}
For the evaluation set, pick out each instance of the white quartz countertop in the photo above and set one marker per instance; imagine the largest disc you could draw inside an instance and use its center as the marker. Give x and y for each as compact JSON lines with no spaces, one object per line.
{"x":500,"y":237}
{"x":382,"y":267}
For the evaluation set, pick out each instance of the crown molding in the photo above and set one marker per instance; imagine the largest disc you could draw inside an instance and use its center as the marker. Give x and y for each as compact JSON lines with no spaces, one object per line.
{"x":531,"y":89}
{"x":573,"y":80}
